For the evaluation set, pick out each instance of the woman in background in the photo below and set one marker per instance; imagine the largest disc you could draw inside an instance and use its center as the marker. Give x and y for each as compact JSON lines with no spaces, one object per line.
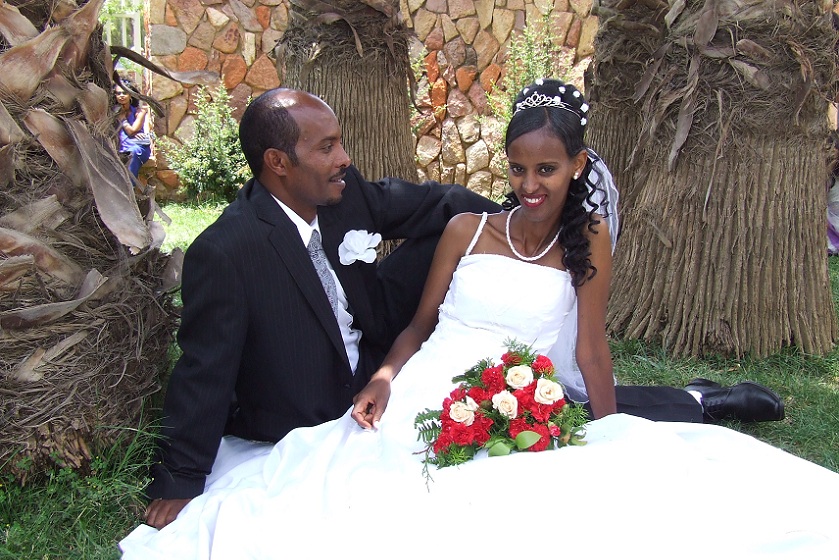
{"x":132,"y":121}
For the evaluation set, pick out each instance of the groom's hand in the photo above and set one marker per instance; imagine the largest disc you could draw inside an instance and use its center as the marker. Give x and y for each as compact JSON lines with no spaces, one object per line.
{"x":371,"y":402}
{"x":160,"y":513}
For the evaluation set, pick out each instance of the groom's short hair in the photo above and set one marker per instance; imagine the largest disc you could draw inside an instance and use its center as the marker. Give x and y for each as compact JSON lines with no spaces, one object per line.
{"x":267,"y":123}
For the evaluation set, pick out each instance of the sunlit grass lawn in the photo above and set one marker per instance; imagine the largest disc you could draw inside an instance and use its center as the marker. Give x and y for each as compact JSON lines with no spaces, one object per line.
{"x":67,"y":516}
{"x":808,"y":384}
{"x":188,"y":220}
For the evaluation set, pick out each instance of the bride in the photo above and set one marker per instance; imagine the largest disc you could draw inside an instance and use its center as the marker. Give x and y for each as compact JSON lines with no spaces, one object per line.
{"x":551,"y":228}
{"x":355,"y":486}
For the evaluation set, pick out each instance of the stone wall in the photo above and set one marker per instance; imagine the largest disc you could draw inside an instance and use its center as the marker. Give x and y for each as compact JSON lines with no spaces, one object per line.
{"x":462,"y":43}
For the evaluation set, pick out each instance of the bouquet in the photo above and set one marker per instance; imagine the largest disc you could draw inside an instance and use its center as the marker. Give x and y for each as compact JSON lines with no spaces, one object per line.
{"x":516,"y":405}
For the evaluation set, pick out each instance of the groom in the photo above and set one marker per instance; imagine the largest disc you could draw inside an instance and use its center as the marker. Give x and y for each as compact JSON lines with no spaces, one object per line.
{"x":276,"y":331}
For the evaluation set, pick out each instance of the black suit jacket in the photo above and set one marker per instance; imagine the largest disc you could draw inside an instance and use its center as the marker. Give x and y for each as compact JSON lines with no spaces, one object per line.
{"x":262,"y":352}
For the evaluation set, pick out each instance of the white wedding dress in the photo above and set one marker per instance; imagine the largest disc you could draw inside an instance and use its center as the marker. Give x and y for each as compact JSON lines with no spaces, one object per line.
{"x":637,"y":489}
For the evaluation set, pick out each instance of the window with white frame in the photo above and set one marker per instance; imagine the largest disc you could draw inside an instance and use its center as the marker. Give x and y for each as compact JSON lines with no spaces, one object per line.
{"x":122,"y":22}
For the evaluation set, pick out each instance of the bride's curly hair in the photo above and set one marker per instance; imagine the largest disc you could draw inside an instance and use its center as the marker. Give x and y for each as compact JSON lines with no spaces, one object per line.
{"x":532,"y":111}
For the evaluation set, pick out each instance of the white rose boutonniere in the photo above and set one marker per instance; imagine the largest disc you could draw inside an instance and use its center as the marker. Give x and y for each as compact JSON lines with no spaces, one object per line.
{"x":358,"y":244}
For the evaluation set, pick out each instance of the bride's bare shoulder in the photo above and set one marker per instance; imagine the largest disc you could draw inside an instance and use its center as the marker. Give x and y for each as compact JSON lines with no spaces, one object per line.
{"x":471,"y":218}
{"x":464,"y":223}
{"x":464,"y":226}
{"x":498,"y":220}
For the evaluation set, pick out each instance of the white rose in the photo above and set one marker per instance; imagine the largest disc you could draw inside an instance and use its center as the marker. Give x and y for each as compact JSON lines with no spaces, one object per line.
{"x":464,"y":412}
{"x":547,"y":391}
{"x":519,"y":377}
{"x":358,"y":244}
{"x":505,"y":403}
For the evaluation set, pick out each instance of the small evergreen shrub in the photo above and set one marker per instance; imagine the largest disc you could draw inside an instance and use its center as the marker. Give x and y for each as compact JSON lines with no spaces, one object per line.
{"x":210,"y":165}
{"x":531,"y":54}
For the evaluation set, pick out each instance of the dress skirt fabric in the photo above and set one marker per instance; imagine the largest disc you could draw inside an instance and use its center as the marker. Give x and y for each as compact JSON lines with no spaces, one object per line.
{"x":656,"y":490}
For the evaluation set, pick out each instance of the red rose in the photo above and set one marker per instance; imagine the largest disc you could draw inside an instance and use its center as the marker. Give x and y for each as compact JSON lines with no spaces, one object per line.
{"x":520,"y":425}
{"x":479,"y":395}
{"x":443,"y":442}
{"x":544,"y":441}
{"x":517,"y":426}
{"x":525,"y":397}
{"x":510,"y":359}
{"x":477,"y":433}
{"x":459,"y":393}
{"x":542,"y":365}
{"x":446,"y":420}
{"x":462,"y":434}
{"x":542,"y":412}
{"x":493,"y":379}
{"x":482,"y":426}
{"x":527,"y":403}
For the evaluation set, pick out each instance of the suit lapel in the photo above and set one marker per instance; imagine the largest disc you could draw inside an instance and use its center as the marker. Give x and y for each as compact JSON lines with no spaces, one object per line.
{"x":285,"y":238}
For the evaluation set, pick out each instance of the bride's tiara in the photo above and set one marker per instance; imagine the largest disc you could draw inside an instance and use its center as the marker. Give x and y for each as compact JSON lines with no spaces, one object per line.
{"x":537,"y":99}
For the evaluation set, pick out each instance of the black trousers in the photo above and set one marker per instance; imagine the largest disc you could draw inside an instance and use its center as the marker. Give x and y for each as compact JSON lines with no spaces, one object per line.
{"x":666,"y":404}
{"x":402,"y":292}
{"x":402,"y":277}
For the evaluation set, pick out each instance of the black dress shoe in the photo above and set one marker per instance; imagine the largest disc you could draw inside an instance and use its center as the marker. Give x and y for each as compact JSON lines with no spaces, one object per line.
{"x":746,"y":401}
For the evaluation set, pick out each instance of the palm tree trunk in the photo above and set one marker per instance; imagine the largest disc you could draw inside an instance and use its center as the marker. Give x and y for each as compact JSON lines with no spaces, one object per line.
{"x":358,"y":63}
{"x":713,"y":114}
{"x":85,"y":315}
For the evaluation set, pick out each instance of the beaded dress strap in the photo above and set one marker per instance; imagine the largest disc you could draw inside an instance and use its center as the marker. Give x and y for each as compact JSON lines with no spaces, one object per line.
{"x":477,"y":234}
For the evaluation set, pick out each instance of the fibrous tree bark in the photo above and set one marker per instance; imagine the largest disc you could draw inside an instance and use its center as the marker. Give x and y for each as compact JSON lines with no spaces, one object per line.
{"x":354,"y":55}
{"x":85,"y":313}
{"x":712,"y":116}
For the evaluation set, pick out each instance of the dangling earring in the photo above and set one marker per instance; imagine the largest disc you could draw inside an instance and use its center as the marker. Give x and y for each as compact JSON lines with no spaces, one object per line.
{"x":576,"y":175}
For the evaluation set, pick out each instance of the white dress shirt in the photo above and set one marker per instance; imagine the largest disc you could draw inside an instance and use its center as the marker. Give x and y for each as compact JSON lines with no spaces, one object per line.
{"x":350,"y":335}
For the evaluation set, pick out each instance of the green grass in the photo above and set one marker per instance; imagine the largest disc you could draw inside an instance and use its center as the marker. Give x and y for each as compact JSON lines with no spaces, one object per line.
{"x":188,"y":220}
{"x":809,"y":386}
{"x":69,"y":516}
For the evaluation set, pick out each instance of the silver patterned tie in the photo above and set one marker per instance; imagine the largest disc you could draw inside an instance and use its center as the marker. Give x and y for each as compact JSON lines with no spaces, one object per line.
{"x":318,"y":256}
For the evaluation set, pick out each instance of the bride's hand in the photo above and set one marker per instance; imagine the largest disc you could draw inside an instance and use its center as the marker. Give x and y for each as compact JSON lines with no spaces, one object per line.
{"x":371,"y":402}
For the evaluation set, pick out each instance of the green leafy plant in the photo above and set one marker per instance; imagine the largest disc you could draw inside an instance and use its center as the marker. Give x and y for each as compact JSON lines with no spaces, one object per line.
{"x":64,"y":513}
{"x":532,"y":53}
{"x":210,"y":165}
{"x":113,"y":8}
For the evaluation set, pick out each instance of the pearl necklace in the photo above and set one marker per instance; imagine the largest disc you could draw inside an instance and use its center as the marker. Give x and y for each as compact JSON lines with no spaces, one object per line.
{"x":513,"y":249}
